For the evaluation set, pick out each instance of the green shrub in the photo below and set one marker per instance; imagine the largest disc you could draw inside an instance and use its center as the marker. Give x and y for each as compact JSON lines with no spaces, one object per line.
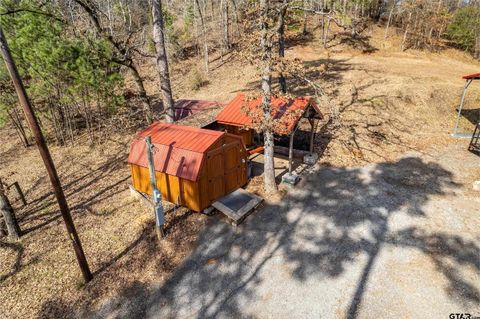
{"x":465,"y":27}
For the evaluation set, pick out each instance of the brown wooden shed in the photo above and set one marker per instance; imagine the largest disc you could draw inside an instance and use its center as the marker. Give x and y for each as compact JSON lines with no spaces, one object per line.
{"x":194,"y":167}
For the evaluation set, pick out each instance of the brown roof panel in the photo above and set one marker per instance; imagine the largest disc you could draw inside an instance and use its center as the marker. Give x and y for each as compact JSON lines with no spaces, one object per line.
{"x":179,"y":150}
{"x":286,"y":112}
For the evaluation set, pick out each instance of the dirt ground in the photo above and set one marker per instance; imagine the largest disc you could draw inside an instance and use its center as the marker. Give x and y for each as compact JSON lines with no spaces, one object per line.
{"x":385,"y":103}
{"x":115,"y":229}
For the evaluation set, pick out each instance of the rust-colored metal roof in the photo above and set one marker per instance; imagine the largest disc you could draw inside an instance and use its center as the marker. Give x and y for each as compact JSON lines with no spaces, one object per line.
{"x":475,"y":76}
{"x":179,"y":150}
{"x":184,"y":108}
{"x":286,"y":112}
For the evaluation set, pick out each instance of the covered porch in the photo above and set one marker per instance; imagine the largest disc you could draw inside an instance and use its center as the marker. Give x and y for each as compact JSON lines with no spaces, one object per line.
{"x":242,"y":116}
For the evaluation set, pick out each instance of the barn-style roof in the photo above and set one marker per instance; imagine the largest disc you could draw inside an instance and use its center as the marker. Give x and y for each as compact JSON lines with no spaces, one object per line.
{"x":179,"y":150}
{"x":287,"y":112}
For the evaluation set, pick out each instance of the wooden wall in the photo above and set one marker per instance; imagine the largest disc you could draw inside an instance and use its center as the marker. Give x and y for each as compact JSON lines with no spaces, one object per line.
{"x":174,"y":189}
{"x":245,"y":134}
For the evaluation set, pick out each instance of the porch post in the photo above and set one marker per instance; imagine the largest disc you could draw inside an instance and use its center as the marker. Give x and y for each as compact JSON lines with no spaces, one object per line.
{"x":467,"y":84}
{"x":290,"y":151}
{"x":312,"y":134}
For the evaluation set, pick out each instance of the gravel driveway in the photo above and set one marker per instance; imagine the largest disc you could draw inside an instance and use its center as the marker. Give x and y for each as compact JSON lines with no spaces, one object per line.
{"x":390,"y":240}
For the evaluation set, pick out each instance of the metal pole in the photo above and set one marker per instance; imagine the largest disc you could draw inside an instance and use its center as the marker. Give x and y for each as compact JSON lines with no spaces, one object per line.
{"x":467,"y":84}
{"x":45,"y":154}
{"x":290,"y":151}
{"x":156,"y":195}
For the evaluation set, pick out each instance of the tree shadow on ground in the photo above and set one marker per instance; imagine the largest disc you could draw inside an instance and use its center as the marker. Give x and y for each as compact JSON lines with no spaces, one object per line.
{"x":336,"y":220}
{"x":120,"y":276}
{"x":18,"y":250}
{"x":42,"y":210}
{"x":472,"y":115}
{"x":318,"y":71}
{"x":358,"y":42}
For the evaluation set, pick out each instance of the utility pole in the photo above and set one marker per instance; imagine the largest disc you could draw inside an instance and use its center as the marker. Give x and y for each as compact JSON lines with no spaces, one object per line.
{"x":45,"y":154}
{"x":157,"y":196}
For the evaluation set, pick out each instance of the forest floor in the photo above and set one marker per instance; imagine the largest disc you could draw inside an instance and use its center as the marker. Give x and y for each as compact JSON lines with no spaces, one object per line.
{"x":387,"y":103}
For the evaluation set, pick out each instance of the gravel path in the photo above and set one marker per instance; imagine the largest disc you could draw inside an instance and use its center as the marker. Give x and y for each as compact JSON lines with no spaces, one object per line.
{"x":389,"y":240}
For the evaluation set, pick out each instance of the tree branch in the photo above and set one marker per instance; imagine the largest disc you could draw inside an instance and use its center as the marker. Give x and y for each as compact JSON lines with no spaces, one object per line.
{"x":23,"y":10}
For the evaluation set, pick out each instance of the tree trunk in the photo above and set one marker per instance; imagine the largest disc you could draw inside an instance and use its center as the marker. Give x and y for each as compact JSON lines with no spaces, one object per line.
{"x":18,"y":127}
{"x":389,"y":21}
{"x":305,"y":31}
{"x":430,"y":32}
{"x":281,"y":44}
{"x":204,"y":34}
{"x":147,"y":109}
{"x":226,"y":22}
{"x":477,"y":47}
{"x":45,"y":154}
{"x":124,"y":58}
{"x":269,"y":168}
{"x":406,"y":32}
{"x":325,"y":35}
{"x":322,"y":8}
{"x":162,"y":60}
{"x":236,"y":18}
{"x":9,"y":218}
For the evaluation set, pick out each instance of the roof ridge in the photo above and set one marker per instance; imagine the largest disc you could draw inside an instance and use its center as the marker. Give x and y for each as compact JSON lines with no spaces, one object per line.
{"x":185,"y":148}
{"x":190,"y":128}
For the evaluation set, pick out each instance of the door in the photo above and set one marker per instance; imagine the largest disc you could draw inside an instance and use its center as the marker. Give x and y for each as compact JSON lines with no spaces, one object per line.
{"x":215,"y":173}
{"x":232,"y":165}
{"x":226,"y":169}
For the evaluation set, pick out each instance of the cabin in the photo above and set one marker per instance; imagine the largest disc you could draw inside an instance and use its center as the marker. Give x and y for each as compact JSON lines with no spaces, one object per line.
{"x":194,"y":167}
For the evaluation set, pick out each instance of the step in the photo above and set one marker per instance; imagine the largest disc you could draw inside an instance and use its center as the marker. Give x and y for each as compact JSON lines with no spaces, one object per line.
{"x":237,"y":205}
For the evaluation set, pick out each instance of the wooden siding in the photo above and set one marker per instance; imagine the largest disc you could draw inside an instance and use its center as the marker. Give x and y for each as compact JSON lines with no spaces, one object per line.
{"x":173,"y":189}
{"x":245,"y":134}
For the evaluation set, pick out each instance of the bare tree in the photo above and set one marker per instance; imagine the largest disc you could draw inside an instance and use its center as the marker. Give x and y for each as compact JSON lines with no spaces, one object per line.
{"x":281,"y":43}
{"x":162,"y":59}
{"x":8,"y":213}
{"x":266,"y":48}
{"x":477,"y":46}
{"x":225,"y":22}
{"x":204,"y":33}
{"x":124,"y":53}
{"x":304,"y":31}
{"x":389,"y":21}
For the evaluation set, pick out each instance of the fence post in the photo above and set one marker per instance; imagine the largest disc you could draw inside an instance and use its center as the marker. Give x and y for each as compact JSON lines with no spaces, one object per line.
{"x":20,"y":193}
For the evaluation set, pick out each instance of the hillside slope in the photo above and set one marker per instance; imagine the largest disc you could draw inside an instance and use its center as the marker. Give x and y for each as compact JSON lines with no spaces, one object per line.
{"x":385,"y":103}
